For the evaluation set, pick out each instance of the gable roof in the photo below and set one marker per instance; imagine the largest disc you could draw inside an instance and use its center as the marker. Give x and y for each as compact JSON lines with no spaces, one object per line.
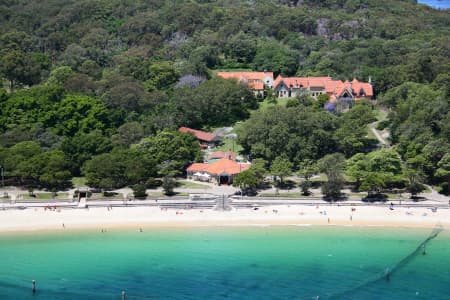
{"x":305,"y":82}
{"x":222,"y":166}
{"x":200,"y":135}
{"x":357,"y":86}
{"x":332,"y":87}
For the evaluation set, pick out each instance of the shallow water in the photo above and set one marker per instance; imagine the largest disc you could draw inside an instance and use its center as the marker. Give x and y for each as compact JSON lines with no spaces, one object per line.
{"x":225,"y":263}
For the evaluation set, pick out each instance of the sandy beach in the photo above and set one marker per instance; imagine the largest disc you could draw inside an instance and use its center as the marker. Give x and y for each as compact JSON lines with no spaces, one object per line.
{"x":37,"y":219}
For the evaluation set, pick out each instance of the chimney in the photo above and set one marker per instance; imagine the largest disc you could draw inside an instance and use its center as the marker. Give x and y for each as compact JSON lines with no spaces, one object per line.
{"x":370,"y":79}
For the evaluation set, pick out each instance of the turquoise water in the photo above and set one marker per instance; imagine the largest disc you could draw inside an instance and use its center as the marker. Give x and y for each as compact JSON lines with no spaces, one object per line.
{"x":225,"y":263}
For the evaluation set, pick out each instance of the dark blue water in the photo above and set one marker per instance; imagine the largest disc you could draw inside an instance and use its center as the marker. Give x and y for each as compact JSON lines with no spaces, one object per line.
{"x":225,"y":263}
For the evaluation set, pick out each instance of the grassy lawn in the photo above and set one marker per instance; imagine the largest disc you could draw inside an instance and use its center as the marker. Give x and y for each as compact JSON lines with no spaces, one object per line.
{"x":100,"y":195}
{"x":191,"y":185}
{"x":229,"y":145}
{"x":370,"y":134}
{"x":321,"y":177}
{"x":79,"y":182}
{"x":45,"y":196}
{"x":380,"y":115}
{"x":266,"y":103}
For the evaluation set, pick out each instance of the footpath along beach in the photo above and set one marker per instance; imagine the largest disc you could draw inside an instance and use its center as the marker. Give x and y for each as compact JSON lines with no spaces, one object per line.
{"x":40,"y":218}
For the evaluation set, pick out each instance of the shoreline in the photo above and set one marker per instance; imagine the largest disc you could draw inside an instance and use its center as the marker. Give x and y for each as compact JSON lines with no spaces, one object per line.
{"x":41,"y":220}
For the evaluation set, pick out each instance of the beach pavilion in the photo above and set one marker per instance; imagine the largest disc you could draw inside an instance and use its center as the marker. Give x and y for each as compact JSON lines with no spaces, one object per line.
{"x":222,"y":171}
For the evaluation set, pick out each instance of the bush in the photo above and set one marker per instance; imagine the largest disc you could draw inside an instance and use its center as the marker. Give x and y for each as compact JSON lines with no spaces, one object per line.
{"x":139,"y":190}
{"x":383,"y":125}
{"x":168,"y":185}
{"x":109,"y":194}
{"x":375,"y":198}
{"x":153,"y":183}
{"x":305,"y":185}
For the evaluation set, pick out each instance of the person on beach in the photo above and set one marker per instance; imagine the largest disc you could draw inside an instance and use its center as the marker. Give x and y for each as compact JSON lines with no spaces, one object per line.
{"x":64,"y":226}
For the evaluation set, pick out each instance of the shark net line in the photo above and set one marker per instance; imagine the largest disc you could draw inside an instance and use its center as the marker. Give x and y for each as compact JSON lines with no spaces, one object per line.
{"x":64,"y":292}
{"x":389,"y":271}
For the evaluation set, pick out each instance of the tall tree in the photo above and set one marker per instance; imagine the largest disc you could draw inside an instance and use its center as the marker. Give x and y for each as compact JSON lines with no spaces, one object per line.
{"x":332,"y":165}
{"x":281,"y":167}
{"x":19,"y":67}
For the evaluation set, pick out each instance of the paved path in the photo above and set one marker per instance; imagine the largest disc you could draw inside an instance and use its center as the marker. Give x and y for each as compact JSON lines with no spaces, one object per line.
{"x":377,"y":134}
{"x":434,"y":195}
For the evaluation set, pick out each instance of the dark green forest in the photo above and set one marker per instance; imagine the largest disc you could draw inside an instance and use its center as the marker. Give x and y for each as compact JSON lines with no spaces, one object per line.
{"x":97,"y":88}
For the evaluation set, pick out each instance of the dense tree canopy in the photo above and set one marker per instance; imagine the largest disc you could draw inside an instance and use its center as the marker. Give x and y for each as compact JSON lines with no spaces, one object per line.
{"x":87,"y":80}
{"x":304,"y":132}
{"x":376,"y":170}
{"x":419,"y":124}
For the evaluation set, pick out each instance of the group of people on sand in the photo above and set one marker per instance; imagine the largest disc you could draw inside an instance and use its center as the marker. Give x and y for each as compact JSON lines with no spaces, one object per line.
{"x":51,"y":208}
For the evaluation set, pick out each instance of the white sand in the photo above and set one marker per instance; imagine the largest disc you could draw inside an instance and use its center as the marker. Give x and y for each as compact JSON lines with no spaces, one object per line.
{"x":135,"y":217}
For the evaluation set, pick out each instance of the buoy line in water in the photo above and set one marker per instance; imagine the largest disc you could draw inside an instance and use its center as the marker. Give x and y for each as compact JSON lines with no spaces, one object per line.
{"x":388,"y":272}
{"x":65,"y":291}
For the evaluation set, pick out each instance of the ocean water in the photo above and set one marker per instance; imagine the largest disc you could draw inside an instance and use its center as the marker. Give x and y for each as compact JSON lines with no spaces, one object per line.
{"x":226,"y":263}
{"x":436,"y":3}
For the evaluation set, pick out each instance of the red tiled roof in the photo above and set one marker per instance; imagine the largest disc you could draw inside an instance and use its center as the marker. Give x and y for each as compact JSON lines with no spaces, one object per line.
{"x":297,"y":82}
{"x":222,"y":154}
{"x":357,"y":86}
{"x":219,"y":167}
{"x":197,"y":167}
{"x":200,"y":135}
{"x":318,"y":81}
{"x":256,"y":85}
{"x":332,"y":87}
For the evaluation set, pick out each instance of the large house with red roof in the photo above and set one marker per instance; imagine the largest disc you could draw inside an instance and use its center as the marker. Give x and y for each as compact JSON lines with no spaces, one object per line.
{"x":221,"y":171}
{"x":258,"y":82}
{"x":287,"y":87}
{"x":206,"y":139}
